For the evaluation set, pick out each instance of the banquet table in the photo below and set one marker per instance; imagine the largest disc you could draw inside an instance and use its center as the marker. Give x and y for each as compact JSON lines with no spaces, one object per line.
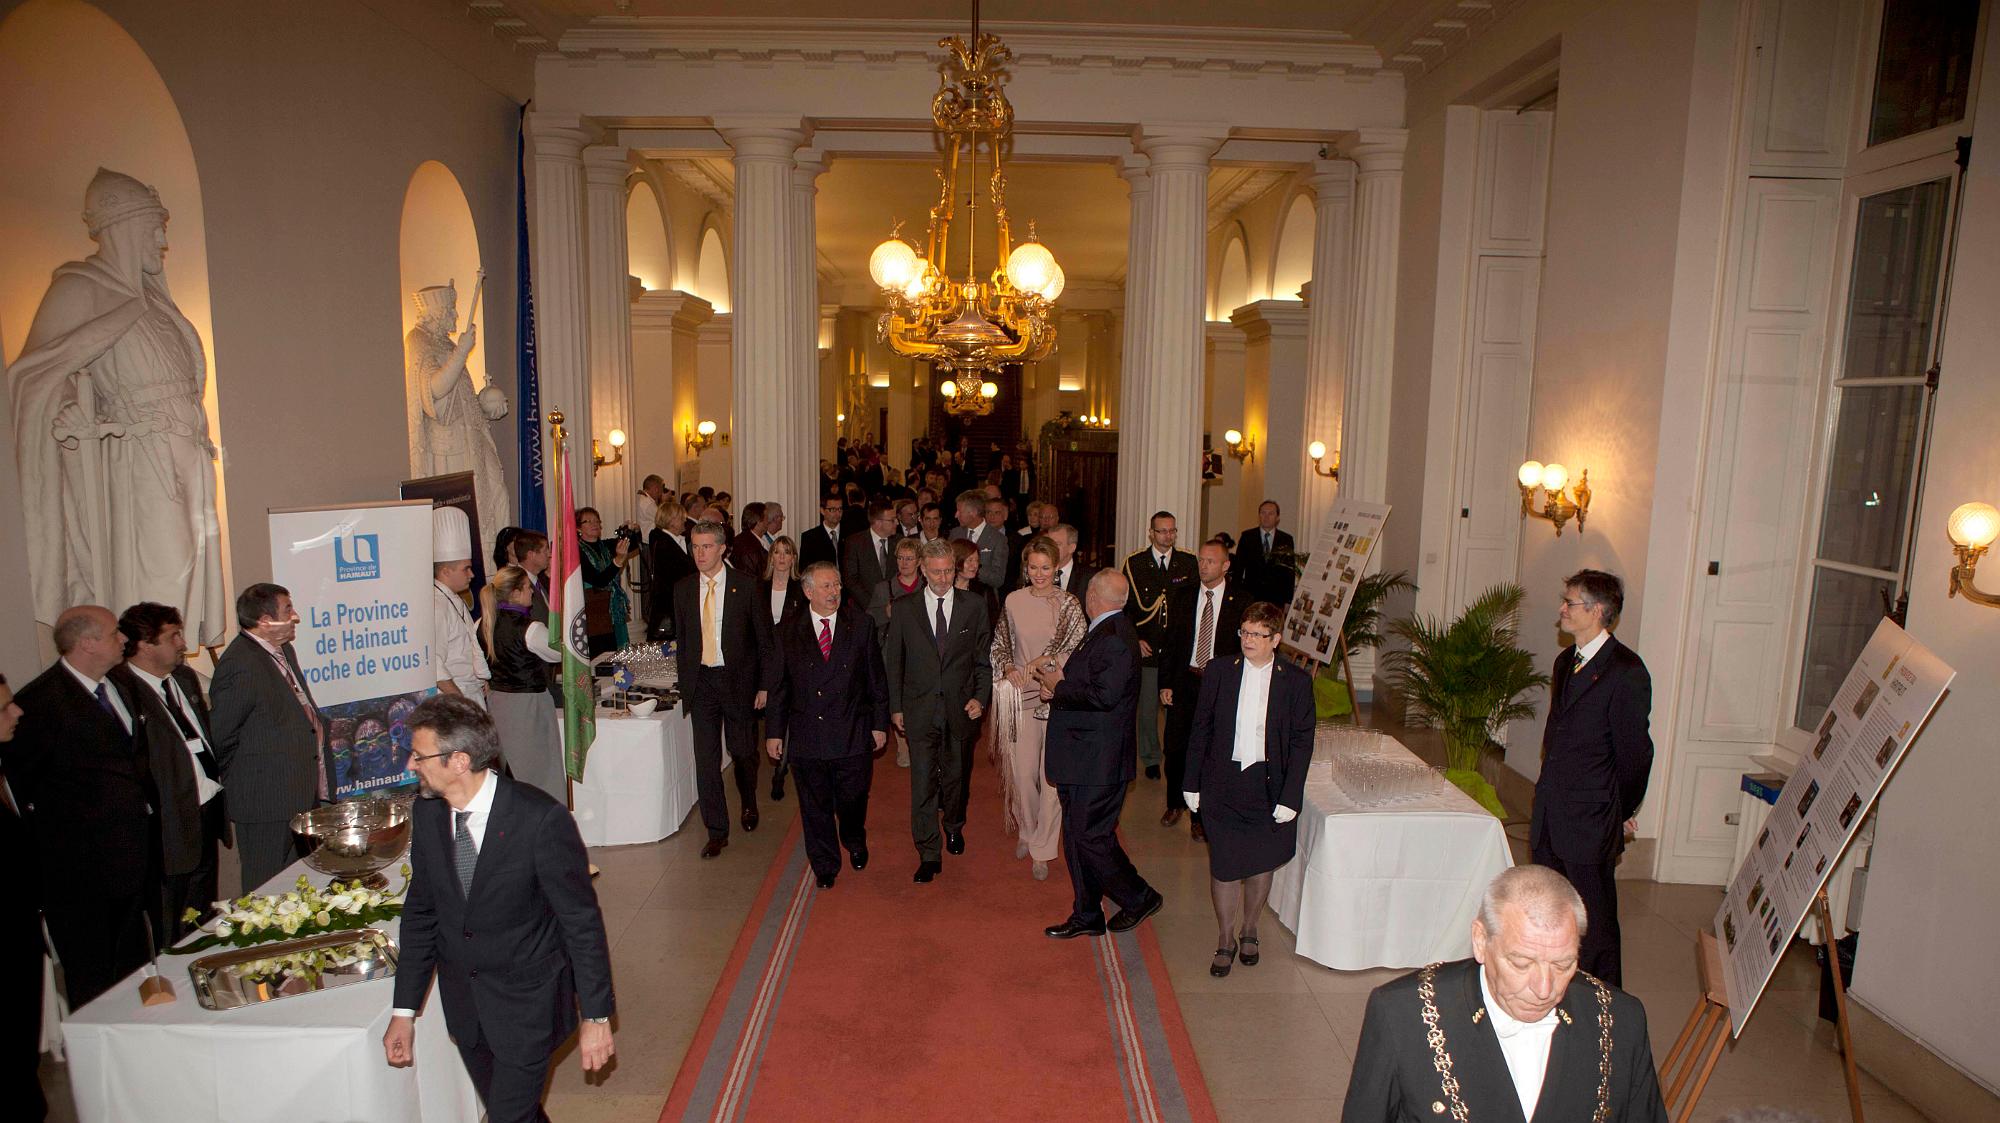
{"x":638,"y":779}
{"x":312,"y":1058}
{"x":1394,"y":882}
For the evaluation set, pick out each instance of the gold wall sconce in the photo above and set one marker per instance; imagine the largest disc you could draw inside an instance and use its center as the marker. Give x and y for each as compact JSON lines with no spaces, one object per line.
{"x":599,"y":461}
{"x":1093,"y":421}
{"x":1972,"y":528}
{"x":1240,"y":446}
{"x":700,"y":437}
{"x":1316,"y":451}
{"x":1560,"y":502}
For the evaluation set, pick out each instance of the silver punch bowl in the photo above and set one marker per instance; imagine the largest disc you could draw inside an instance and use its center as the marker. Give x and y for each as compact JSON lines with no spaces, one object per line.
{"x":356,"y":839}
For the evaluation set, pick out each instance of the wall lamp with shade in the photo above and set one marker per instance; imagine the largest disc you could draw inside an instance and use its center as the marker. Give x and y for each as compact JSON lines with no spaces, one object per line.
{"x":1560,"y":502}
{"x":1316,"y":452}
{"x":1972,"y":528}
{"x":1240,"y":446}
{"x":599,"y":461}
{"x":700,"y":437}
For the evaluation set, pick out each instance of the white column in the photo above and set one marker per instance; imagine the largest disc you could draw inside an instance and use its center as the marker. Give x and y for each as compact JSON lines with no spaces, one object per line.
{"x":562,"y":345}
{"x":714,"y":349}
{"x":1168,"y":423}
{"x":1274,"y":369}
{"x":610,"y":330}
{"x":1223,"y":497}
{"x":1327,"y":311}
{"x":666,"y":379}
{"x":802,"y":419}
{"x":1371,"y":344}
{"x":768,"y":461}
{"x":1132,"y":372}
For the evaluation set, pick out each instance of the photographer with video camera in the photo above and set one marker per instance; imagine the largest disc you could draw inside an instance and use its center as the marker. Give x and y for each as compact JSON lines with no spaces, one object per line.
{"x":605,"y":605}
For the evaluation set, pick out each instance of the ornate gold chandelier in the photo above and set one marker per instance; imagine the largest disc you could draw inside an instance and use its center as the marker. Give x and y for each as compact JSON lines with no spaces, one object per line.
{"x":968,"y":329}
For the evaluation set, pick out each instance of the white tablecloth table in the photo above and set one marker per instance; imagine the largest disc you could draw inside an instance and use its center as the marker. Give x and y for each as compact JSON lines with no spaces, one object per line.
{"x":638,"y":780}
{"x":1385,"y":886}
{"x":314,"y":1058}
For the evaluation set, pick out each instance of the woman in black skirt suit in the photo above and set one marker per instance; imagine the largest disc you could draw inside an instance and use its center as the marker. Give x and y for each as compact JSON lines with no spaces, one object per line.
{"x":1246,"y":775}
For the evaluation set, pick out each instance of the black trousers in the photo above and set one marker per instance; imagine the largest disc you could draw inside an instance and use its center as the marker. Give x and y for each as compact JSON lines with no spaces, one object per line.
{"x":197,"y":888}
{"x":99,"y":940}
{"x":1180,"y":731}
{"x":21,"y":955}
{"x":938,"y":761}
{"x":1098,"y":867}
{"x":713,"y":720}
{"x":1597,"y":884}
{"x":833,"y":807}
{"x":512,"y":1093}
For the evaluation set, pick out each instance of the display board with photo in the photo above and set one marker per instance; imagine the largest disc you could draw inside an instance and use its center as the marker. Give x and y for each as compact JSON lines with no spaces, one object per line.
{"x":1325,"y":590}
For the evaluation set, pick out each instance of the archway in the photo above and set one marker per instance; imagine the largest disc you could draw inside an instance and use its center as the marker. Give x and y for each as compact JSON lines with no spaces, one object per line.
{"x":1292,"y":265}
{"x":711,"y":274}
{"x":1232,"y":280}
{"x":648,"y":250}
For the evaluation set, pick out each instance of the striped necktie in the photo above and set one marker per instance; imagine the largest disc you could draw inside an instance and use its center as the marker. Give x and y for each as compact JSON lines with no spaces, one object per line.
{"x":826,"y":641}
{"x":465,"y":855}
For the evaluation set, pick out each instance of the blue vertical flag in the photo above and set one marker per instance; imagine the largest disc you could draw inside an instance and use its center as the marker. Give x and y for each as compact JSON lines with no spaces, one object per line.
{"x":534,"y":505}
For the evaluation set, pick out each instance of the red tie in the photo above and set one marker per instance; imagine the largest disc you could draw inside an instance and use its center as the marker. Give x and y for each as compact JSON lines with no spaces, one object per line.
{"x":826,"y":640}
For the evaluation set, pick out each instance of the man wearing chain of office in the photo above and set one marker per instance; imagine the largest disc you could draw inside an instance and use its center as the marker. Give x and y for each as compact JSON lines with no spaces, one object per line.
{"x":1515,"y":1033}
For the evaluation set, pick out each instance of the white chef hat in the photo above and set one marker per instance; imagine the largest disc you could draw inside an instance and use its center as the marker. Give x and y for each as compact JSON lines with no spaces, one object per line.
{"x":451,"y":536}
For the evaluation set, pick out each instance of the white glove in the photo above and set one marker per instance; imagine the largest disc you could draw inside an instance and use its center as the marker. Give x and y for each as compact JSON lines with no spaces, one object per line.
{"x":1283,"y":814}
{"x":1193,"y":800}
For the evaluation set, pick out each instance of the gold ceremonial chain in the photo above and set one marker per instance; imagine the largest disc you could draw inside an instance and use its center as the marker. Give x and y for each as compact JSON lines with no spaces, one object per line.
{"x":1603,"y":1113}
{"x":1440,"y":1059}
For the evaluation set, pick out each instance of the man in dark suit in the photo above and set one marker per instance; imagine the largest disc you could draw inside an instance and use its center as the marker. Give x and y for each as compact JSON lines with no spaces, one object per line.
{"x":1264,"y":557}
{"x":822,"y":543}
{"x":1203,"y":619}
{"x":940,"y":666}
{"x":1091,"y":758}
{"x":748,"y":550}
{"x":726,"y":664}
{"x":76,"y":766}
{"x":180,"y":751}
{"x":1597,"y":754}
{"x":269,"y":740}
{"x":500,"y":910}
{"x":869,"y":557}
{"x":1151,"y":574}
{"x":831,"y":697}
{"x":1521,"y":1033}
{"x":21,"y":949}
{"x":1069,"y":575}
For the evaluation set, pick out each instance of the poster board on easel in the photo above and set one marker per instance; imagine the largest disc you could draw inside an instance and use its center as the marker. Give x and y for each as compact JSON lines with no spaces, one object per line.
{"x":1349,"y":535}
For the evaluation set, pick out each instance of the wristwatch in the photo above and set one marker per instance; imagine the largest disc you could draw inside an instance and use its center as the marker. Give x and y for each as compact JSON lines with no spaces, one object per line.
{"x":598,"y":1021}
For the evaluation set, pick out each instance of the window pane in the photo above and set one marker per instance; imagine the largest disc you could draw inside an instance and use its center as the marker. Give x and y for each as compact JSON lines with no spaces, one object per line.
{"x":1868,"y":475}
{"x":1924,"y":67}
{"x":1845,"y":610}
{"x":1892,"y":295}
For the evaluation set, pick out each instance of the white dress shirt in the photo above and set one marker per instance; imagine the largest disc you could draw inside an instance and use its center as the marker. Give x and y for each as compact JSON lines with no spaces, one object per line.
{"x":778,"y":600}
{"x":481,"y":806}
{"x":170,"y":695}
{"x":455,"y":652}
{"x":1589,"y":650}
{"x":931,"y":604}
{"x":1525,"y":1045}
{"x":1208,"y":603}
{"x":830,"y":623}
{"x":90,"y":686}
{"x":1062,"y":574}
{"x":1163,"y":559}
{"x":1253,"y":703}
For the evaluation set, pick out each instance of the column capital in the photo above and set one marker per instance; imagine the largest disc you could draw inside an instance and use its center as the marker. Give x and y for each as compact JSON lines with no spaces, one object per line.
{"x":606,"y":165}
{"x":556,"y":136}
{"x":1135,"y":170}
{"x":1377,"y":151}
{"x":671,"y":309}
{"x":807,"y":166}
{"x":1263,"y":319}
{"x":1223,"y":335}
{"x":1181,"y":146}
{"x":1331,"y":181}
{"x":762,"y":138}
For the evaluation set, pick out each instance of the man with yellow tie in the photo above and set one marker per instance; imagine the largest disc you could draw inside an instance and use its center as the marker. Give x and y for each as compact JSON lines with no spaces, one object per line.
{"x":727,"y":662}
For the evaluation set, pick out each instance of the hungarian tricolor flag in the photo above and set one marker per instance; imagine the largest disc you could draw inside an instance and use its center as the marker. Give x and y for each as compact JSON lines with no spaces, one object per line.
{"x":566,"y":631}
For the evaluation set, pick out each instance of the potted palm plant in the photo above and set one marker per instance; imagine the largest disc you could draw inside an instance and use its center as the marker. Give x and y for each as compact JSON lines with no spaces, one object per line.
{"x":1468,"y":678}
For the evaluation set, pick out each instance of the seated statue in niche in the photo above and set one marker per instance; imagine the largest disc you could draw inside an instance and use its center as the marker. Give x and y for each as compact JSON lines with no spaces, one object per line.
{"x":449,"y":429}
{"x":117,"y":464}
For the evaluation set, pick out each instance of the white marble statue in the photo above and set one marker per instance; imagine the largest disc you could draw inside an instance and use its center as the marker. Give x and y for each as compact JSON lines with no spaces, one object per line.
{"x":448,"y":421}
{"x":117,"y":466}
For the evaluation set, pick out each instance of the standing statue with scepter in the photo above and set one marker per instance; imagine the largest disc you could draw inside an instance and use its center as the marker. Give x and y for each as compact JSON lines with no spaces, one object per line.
{"x":448,"y":420}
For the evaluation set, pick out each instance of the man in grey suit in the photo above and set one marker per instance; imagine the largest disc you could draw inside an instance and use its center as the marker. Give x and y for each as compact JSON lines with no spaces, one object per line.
{"x":269,"y":740}
{"x":940,"y":683}
{"x":991,"y":540}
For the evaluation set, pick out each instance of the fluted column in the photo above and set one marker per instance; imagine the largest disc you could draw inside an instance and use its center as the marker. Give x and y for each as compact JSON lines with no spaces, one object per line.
{"x":1223,"y":496}
{"x":562,"y":343}
{"x":1132,"y":371}
{"x":802,"y":420}
{"x":1168,"y":422}
{"x":666,"y":379}
{"x":1274,"y":375}
{"x":1327,"y":311}
{"x":610,"y":331}
{"x":767,"y":459}
{"x":1371,"y":344}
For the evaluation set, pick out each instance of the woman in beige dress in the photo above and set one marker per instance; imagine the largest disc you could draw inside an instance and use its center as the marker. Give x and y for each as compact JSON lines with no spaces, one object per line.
{"x":1039,"y":624}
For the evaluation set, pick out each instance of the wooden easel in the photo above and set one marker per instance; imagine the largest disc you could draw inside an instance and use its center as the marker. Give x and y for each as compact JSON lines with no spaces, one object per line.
{"x":1707,"y":1029}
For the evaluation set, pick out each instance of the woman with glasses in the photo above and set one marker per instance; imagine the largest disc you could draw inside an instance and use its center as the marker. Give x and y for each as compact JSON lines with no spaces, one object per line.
{"x":1246,"y":775}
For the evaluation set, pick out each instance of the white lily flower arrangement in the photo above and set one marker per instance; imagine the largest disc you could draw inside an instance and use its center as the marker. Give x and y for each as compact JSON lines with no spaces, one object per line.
{"x":304,"y":911}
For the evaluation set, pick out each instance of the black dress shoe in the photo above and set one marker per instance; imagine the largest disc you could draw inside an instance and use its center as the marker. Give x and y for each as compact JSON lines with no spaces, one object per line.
{"x":1071,"y":929}
{"x":1129,"y":919}
{"x":826,"y":881}
{"x":954,"y":842}
{"x":1152,"y":772}
{"x":713,"y":847}
{"x":749,"y":818}
{"x":1172,"y":817}
{"x":860,"y":859}
{"x":1199,"y":832}
{"x":777,"y":790}
{"x":926,"y":871}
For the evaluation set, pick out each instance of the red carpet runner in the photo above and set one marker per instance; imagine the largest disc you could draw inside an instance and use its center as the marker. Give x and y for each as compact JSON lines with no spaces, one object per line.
{"x":884,"y":999}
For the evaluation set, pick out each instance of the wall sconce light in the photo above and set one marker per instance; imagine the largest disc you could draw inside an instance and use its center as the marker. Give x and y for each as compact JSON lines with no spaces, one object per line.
{"x":599,"y":461}
{"x":1093,"y":421}
{"x":1558,"y":506}
{"x":1317,"y":451}
{"x":840,"y":418}
{"x":700,"y":437}
{"x":1240,"y":447}
{"x":1972,"y":528}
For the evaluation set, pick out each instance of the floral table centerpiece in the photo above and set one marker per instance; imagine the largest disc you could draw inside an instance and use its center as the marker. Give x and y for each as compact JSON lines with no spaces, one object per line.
{"x":305,"y":911}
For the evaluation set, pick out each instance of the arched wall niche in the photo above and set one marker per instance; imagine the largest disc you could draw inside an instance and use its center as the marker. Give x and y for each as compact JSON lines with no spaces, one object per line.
{"x":648,"y":246}
{"x":1291,"y":263}
{"x":1232,"y":280}
{"x":711,"y":276}
{"x":438,"y":244}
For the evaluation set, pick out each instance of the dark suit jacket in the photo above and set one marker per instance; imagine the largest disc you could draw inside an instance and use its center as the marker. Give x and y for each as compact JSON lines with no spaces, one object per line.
{"x":1395,"y":1079}
{"x":182,"y":839}
{"x":1270,"y":577}
{"x":1184,"y":624}
{"x":1596,"y":753}
{"x":1093,"y":719}
{"x":747,"y":554}
{"x":830,"y":708}
{"x":795,"y":601}
{"x":1288,"y":730}
{"x":671,"y":562}
{"x":819,"y":545}
{"x":85,"y":786}
{"x":925,"y":688}
{"x":860,"y":569}
{"x":1146,"y":605}
{"x":749,"y":661}
{"x":515,"y":959}
{"x":264,"y":742}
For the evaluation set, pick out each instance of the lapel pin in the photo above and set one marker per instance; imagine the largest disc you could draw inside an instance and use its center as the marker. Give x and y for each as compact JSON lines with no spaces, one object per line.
{"x":1437,"y":1107}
